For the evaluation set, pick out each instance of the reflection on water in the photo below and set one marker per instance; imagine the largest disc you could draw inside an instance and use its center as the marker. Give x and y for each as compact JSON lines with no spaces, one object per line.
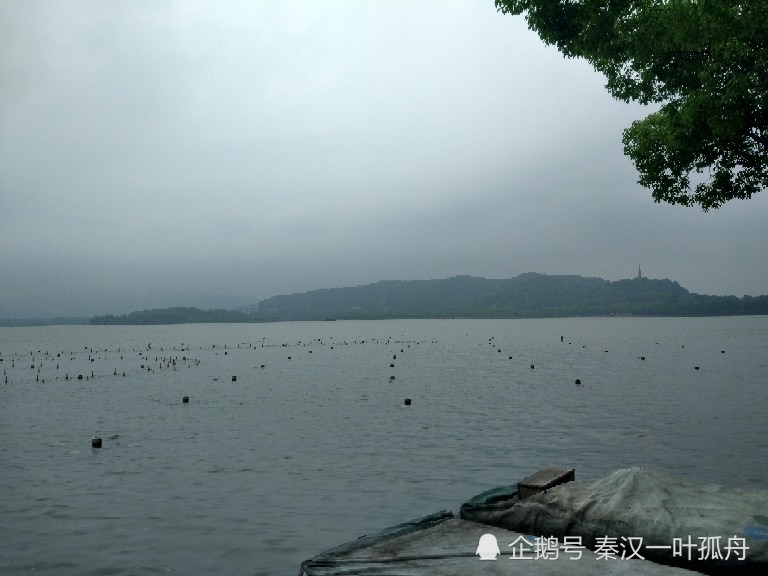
{"x":312,"y":445}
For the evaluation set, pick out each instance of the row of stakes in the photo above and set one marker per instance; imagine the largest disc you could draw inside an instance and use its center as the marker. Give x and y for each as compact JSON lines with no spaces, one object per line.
{"x":234,"y":378}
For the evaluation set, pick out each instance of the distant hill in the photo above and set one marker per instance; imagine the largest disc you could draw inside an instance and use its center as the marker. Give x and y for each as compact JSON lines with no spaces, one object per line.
{"x":177,"y":315}
{"x":57,"y":321}
{"x":529,"y":295}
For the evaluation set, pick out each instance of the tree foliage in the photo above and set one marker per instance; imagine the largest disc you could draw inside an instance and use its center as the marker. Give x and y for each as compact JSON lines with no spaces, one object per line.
{"x":703,"y":62}
{"x":175,"y":315}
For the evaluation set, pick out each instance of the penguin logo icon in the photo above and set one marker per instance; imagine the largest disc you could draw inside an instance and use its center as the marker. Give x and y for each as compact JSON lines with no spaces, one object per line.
{"x":488,"y":548}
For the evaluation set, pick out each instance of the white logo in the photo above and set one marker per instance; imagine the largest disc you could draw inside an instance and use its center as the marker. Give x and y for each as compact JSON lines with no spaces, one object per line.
{"x":488,"y":548}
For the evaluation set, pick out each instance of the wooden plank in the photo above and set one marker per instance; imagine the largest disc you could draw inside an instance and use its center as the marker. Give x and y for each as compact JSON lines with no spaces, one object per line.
{"x":544,"y":480}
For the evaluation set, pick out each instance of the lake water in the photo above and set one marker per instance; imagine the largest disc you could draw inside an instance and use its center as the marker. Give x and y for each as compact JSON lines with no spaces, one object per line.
{"x":313,"y":446}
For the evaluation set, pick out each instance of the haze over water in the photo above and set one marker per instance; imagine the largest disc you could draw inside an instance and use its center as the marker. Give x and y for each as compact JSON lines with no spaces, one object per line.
{"x":316,"y":447}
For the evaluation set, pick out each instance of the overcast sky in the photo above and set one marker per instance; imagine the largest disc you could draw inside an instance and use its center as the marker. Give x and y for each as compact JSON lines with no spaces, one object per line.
{"x":152,"y":153}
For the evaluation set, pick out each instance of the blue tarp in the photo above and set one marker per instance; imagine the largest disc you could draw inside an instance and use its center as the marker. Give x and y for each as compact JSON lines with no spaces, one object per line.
{"x":443,"y":545}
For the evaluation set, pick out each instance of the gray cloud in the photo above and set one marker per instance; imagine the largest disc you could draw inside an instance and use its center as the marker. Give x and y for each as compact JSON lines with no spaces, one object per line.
{"x":153,"y":149}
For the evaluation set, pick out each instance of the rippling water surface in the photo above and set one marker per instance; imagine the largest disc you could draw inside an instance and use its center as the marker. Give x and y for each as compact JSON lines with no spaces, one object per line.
{"x":312,"y":445}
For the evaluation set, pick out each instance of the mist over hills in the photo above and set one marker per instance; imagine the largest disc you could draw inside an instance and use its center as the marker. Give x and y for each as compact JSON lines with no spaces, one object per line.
{"x":529,"y":295}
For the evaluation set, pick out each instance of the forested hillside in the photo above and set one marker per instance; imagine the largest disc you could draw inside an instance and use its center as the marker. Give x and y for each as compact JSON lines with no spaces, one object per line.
{"x":177,"y":315}
{"x":528,"y":295}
